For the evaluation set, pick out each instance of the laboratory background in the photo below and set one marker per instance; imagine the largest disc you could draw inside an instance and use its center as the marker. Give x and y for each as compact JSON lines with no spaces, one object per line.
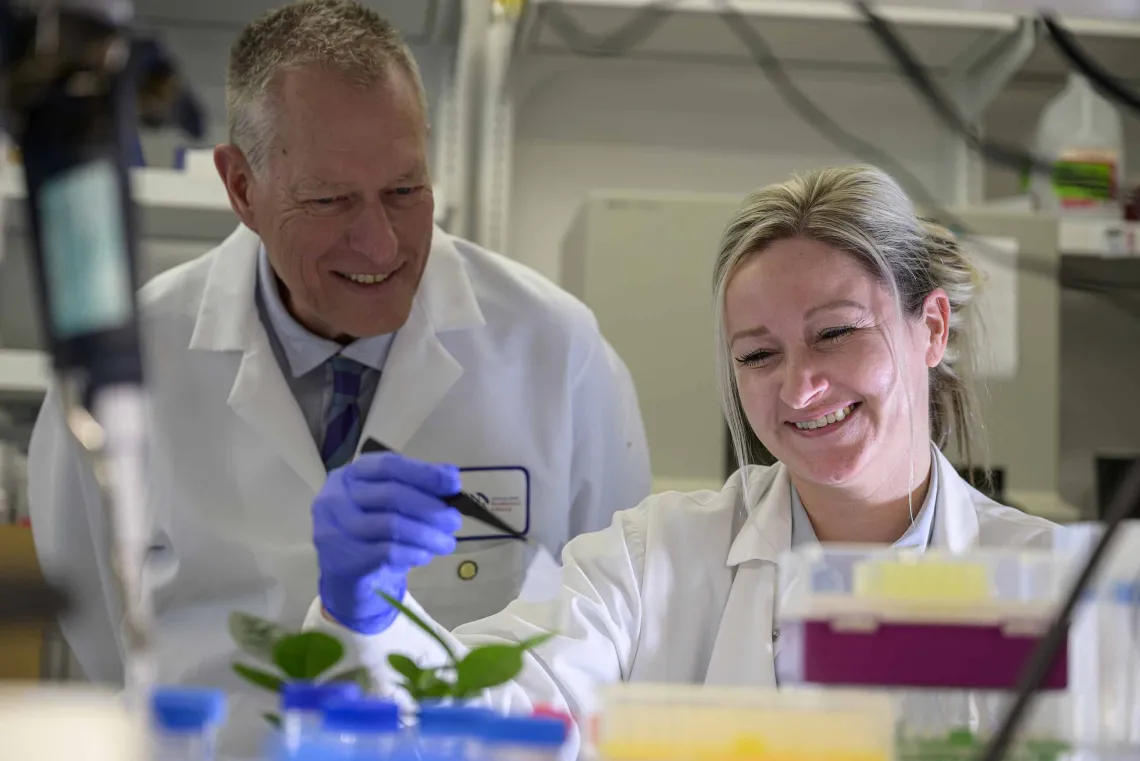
{"x":605,"y":144}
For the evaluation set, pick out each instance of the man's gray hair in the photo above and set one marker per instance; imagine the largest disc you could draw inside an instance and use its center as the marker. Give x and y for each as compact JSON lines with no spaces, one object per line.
{"x":340,"y":35}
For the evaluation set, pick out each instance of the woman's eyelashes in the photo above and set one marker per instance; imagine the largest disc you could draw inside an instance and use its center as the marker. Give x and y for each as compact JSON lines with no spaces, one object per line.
{"x":825,"y":337}
{"x":755,"y":358}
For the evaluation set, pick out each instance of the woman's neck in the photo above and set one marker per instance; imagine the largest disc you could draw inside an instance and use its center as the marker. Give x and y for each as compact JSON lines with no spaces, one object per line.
{"x":880,"y":514}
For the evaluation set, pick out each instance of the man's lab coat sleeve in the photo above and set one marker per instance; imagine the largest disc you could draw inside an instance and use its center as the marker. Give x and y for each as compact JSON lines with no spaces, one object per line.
{"x":610,"y":469}
{"x":596,"y":620}
{"x":69,"y":530}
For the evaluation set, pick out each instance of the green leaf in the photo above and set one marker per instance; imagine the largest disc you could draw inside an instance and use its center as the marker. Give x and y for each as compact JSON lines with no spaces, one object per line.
{"x":488,"y":666}
{"x":307,"y":655}
{"x":533,"y":642}
{"x":256,"y":636}
{"x":405,"y":667}
{"x":358,"y":675}
{"x":420,"y":623}
{"x":273,"y":719}
{"x":259,"y":678}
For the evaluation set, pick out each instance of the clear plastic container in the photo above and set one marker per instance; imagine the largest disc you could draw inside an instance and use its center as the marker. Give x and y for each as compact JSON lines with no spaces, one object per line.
{"x":360,"y":729}
{"x":644,"y":722}
{"x":522,"y":738}
{"x":872,"y":616}
{"x":185,"y":723}
{"x":1082,"y":133}
{"x":302,"y":705}
{"x":1105,"y":643}
{"x":450,"y":733}
{"x":945,"y":725}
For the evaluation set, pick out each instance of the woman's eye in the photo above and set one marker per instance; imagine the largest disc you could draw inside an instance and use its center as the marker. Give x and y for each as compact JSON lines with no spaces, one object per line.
{"x":756,"y":358}
{"x":834,"y":334}
{"x":408,"y":190}
{"x":331,"y":200}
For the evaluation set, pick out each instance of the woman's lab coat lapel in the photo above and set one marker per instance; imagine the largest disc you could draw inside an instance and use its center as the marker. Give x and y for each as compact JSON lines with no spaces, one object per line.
{"x":742,"y":654}
{"x":417,"y":375}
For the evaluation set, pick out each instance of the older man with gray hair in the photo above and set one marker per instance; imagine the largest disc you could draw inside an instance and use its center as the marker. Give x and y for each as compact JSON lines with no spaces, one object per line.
{"x":336,"y":313}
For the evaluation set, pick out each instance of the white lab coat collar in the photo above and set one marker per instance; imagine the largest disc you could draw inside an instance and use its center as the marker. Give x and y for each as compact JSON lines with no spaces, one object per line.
{"x":766,"y":533}
{"x":417,"y":375}
{"x":445,"y":301}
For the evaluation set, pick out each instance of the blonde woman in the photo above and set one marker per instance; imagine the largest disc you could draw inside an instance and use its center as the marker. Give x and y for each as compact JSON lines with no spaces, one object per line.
{"x":843,"y":342}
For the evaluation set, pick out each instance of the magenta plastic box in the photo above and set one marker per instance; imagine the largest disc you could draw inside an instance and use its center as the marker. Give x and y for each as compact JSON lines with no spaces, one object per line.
{"x":872,"y":616}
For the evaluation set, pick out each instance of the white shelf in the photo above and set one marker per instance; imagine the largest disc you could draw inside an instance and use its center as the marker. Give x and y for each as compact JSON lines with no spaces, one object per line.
{"x":420,"y":21}
{"x":24,"y":373}
{"x":825,"y":34}
{"x":173,"y":204}
{"x":1080,"y":237}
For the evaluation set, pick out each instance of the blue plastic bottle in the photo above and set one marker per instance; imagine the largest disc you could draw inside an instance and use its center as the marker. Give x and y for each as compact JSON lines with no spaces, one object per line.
{"x":185,"y":723}
{"x":360,"y":729}
{"x":450,"y":733}
{"x":302,"y":709}
{"x":522,"y":738}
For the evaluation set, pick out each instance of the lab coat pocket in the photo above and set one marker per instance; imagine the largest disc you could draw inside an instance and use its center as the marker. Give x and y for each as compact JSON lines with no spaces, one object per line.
{"x":478,"y":580}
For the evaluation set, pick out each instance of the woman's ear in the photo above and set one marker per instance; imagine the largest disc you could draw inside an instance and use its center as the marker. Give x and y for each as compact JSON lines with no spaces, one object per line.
{"x":936,"y":321}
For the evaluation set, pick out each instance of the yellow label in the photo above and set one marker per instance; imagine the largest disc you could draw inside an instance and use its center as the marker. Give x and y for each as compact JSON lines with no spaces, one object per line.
{"x":923,"y":581}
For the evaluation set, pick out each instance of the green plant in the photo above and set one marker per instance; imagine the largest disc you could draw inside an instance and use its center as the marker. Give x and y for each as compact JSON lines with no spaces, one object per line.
{"x":297,"y":656}
{"x":483,"y":667}
{"x":309,"y":656}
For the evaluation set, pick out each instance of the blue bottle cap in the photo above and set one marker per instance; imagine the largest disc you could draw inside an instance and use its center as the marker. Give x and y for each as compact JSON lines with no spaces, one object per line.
{"x":187,"y":709}
{"x":1126,"y":593}
{"x":307,"y":696}
{"x":367,"y":715}
{"x":452,"y":720}
{"x":524,"y":730}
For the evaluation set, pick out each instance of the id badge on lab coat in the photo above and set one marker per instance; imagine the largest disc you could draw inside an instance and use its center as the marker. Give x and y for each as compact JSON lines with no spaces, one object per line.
{"x":505,"y":491}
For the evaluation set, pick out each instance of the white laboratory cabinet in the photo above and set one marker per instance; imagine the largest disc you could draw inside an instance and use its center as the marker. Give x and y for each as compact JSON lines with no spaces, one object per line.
{"x":643,"y":262}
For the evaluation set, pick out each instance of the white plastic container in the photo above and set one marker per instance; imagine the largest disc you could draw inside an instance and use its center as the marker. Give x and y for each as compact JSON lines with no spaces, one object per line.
{"x":1083,"y":134}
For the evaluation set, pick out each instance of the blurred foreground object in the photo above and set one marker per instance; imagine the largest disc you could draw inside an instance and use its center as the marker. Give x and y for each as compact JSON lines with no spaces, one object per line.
{"x":56,"y":724}
{"x":73,"y":85}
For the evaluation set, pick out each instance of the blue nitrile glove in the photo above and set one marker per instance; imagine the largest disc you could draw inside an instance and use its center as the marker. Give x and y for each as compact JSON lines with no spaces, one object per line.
{"x":376,"y":518}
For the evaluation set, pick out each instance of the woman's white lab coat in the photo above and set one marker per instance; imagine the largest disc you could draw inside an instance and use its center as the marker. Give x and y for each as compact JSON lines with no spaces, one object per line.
{"x":678,"y":589}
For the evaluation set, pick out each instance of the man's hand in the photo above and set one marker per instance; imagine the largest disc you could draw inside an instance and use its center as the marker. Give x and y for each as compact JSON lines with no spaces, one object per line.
{"x":375,"y":519}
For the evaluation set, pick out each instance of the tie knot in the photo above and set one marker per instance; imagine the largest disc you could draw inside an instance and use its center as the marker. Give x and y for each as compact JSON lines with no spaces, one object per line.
{"x":346,"y":376}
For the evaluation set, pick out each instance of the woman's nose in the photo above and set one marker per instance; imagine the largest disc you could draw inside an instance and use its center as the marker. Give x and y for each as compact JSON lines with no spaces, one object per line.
{"x":802,"y":382}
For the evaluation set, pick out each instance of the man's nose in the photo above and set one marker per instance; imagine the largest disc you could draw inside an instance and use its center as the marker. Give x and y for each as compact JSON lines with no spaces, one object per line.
{"x":802,"y":382}
{"x":372,"y":234}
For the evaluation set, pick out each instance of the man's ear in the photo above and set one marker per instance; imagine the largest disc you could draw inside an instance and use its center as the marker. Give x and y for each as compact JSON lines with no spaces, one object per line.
{"x":936,"y":320}
{"x":237,"y":176}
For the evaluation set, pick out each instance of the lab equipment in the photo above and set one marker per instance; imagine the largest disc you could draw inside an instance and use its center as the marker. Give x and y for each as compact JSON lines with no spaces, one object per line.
{"x":863,"y":616}
{"x":360,"y":729}
{"x":69,"y":103}
{"x":1105,"y":642}
{"x":450,"y":732}
{"x":185,"y":723}
{"x":372,"y":520}
{"x":1082,"y":132}
{"x":302,"y":708}
{"x":946,"y":635}
{"x":465,"y":503}
{"x":522,"y":738}
{"x":674,"y":722}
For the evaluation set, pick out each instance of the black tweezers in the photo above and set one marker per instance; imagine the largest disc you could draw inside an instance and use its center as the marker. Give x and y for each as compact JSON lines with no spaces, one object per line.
{"x":463,"y":502}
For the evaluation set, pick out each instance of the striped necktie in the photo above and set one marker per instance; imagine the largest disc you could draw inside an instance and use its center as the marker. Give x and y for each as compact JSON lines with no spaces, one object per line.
{"x":342,"y":431}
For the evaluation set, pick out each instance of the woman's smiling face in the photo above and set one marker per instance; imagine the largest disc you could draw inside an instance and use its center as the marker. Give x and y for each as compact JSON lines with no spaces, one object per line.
{"x":811,"y":335}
